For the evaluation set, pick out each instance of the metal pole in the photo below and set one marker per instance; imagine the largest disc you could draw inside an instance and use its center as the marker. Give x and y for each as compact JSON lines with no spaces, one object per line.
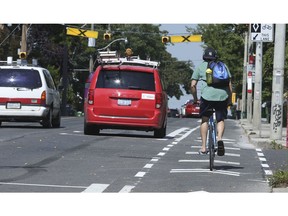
{"x":278,"y":83}
{"x":91,"y":57}
{"x":243,"y":105}
{"x":258,"y":88}
{"x":249,"y":95}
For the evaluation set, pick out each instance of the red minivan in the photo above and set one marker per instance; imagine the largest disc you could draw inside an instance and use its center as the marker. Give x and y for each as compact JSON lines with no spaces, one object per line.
{"x":126,"y":93}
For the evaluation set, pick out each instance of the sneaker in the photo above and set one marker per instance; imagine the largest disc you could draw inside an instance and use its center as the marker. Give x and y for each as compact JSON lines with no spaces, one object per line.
{"x":221,"y":149}
{"x":202,"y":153}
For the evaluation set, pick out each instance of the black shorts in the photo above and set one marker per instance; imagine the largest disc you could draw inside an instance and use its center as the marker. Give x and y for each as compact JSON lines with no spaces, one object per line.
{"x":219,"y":106}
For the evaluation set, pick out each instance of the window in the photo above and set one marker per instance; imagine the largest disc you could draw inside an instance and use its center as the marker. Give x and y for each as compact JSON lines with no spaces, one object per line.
{"x":49,"y":80}
{"x":25,"y":78}
{"x":126,"y":80}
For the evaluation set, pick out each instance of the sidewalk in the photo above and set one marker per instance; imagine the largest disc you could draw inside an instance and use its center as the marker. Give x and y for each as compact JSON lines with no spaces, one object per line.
{"x":261,"y":138}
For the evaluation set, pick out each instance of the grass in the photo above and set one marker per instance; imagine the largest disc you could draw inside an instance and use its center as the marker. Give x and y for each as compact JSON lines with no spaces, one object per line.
{"x":279,"y":179}
{"x":275,"y":145}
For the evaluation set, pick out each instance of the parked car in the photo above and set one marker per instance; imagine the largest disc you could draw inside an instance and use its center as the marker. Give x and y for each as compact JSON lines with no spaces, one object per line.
{"x":28,"y":93}
{"x":174,"y":113}
{"x":191,"y":109}
{"x":125,"y":93}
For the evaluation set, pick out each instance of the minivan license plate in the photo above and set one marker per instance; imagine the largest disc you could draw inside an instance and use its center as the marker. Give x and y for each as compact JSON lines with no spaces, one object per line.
{"x":13,"y":105}
{"x":124,"y":102}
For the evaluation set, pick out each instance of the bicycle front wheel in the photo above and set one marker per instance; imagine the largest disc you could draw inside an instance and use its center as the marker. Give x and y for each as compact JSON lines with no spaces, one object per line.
{"x":211,"y":147}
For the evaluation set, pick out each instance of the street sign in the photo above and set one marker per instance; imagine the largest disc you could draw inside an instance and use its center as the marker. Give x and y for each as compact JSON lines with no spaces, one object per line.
{"x":82,"y":32}
{"x":187,"y":38}
{"x":261,"y":32}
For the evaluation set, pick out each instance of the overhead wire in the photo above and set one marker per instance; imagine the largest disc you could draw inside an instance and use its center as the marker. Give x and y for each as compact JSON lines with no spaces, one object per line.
{"x":9,"y":34}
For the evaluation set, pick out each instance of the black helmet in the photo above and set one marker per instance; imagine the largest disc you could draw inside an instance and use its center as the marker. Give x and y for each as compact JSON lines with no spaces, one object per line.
{"x":210,"y":54}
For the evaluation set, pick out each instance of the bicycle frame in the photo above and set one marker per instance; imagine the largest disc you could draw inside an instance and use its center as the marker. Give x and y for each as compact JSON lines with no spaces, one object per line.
{"x":211,"y":139}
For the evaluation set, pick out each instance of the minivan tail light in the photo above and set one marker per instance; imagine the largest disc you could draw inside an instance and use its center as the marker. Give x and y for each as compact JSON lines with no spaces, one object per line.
{"x":91,"y":96}
{"x":43,"y":97}
{"x":159,"y":99}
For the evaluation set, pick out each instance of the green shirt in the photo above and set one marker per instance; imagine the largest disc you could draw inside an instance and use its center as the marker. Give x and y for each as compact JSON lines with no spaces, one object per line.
{"x":208,"y":92}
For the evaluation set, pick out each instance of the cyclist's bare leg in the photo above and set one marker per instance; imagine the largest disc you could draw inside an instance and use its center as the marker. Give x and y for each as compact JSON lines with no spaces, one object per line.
{"x":220,"y":129}
{"x":203,"y":131}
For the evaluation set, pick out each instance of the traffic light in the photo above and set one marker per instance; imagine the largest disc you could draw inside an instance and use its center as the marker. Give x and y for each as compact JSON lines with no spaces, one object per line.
{"x":165,"y":39}
{"x":107,"y":36}
{"x":22,"y":55}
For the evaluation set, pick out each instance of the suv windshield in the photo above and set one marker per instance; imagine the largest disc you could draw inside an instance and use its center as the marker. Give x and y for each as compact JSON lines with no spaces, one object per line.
{"x":25,"y":78}
{"x":126,"y":80}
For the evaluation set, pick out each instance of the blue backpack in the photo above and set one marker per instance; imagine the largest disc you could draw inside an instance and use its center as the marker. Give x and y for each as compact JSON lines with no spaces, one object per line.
{"x":220,"y":74}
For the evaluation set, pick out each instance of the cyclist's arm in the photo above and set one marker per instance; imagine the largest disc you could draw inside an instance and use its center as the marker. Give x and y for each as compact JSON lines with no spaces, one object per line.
{"x":194,"y":89}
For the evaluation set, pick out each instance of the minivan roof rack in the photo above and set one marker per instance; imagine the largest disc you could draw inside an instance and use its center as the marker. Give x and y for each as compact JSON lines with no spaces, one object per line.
{"x":19,"y":62}
{"x":111,"y":57}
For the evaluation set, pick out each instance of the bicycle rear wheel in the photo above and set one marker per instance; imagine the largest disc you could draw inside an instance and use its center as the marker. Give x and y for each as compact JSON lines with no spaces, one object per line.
{"x":211,"y":147}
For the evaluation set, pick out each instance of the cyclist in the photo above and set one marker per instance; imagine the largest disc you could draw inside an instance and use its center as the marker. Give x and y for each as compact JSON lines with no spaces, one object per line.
{"x":211,"y":97}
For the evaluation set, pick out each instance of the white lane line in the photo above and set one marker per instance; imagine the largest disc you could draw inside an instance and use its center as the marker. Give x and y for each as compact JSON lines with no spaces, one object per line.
{"x":140,"y":174}
{"x":228,"y":148}
{"x":41,"y":185}
{"x":148,"y":166}
{"x":161,"y":153}
{"x":226,"y":154}
{"x":223,"y":172}
{"x":165,"y":149}
{"x":206,"y":161}
{"x":176,"y":132}
{"x":264,"y":164}
{"x":155,"y":159}
{"x":186,"y":134}
{"x":268,"y":172}
{"x":126,"y":189}
{"x":96,"y":188}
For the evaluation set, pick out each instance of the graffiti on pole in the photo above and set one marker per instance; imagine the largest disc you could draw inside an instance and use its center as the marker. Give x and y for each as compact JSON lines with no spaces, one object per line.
{"x":277,"y":112}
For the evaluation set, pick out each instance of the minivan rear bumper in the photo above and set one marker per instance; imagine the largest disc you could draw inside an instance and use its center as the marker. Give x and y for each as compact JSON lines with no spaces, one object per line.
{"x":136,"y":123}
{"x":24,"y":114}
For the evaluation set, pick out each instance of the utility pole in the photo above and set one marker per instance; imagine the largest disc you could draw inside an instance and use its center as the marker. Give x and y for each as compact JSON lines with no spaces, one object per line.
{"x":258,"y":88}
{"x":278,"y":83}
{"x":243,"y":105}
{"x":24,"y":38}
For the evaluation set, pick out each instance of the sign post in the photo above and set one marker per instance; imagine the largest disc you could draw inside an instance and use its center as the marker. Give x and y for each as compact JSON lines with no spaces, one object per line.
{"x":259,"y":33}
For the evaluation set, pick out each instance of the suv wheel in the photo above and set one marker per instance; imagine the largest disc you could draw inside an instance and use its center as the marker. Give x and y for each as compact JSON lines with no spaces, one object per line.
{"x":47,"y":121}
{"x":90,"y":129}
{"x":160,"y":133}
{"x":56,"y":121}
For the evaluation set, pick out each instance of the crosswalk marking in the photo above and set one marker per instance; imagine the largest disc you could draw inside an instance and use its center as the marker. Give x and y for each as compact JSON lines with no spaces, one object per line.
{"x":126,"y":189}
{"x":206,"y":161}
{"x":96,"y":188}
{"x":223,"y":172}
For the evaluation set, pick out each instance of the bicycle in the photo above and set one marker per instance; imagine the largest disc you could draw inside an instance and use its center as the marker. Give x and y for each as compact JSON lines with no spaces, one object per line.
{"x":211,"y":138}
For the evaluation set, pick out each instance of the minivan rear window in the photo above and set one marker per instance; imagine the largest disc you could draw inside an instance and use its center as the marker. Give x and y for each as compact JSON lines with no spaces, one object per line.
{"x":26,"y":78}
{"x":126,"y":80}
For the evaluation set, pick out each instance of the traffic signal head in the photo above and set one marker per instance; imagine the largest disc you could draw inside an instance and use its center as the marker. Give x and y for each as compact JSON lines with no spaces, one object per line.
{"x":165,"y":39}
{"x":22,"y":55}
{"x":107,"y":36}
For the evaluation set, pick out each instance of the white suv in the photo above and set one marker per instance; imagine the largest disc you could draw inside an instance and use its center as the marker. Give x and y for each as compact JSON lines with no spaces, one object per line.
{"x":28,"y":94}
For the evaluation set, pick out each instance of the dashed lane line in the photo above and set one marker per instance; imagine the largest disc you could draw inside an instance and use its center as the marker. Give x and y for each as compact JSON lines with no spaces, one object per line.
{"x":263,"y":161}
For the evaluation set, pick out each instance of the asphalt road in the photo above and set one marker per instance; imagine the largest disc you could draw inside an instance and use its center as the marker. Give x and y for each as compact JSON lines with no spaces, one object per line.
{"x":34,"y":159}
